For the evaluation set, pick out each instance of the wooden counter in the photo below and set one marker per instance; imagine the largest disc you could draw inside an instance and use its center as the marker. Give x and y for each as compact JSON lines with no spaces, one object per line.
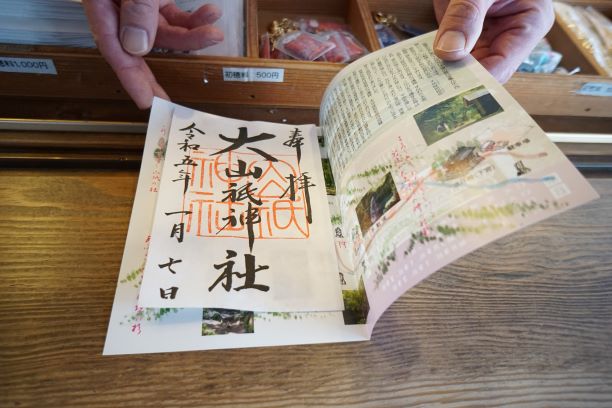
{"x":525,"y":321}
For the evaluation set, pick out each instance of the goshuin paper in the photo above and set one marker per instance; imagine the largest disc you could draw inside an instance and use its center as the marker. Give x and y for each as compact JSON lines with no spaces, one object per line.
{"x":242,"y":221}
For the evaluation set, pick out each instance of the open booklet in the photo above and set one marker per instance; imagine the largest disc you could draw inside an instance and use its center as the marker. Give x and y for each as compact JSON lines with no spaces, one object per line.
{"x":251,"y":234}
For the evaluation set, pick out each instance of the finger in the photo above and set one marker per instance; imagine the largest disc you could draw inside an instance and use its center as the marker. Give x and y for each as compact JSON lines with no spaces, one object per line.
{"x":159,"y":92}
{"x":146,"y":73}
{"x":207,"y":14}
{"x":509,"y":40}
{"x":156,"y":88}
{"x":183,"y":39}
{"x":506,"y":53}
{"x":102,"y":17}
{"x":133,"y":73}
{"x":138,"y":25}
{"x":460,"y":27}
{"x":139,"y":82}
{"x":135,"y":77}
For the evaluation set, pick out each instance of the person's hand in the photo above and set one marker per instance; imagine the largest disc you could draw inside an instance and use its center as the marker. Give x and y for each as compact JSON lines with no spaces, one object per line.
{"x":125,"y":30}
{"x":499,"y":33}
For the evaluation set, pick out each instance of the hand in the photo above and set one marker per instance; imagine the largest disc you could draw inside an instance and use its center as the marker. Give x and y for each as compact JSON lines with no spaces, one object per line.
{"x":499,"y":33}
{"x":125,"y":30}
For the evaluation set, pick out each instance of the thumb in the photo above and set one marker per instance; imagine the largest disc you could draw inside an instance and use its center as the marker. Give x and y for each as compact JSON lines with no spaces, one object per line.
{"x":460,"y":27}
{"x":138,"y":25}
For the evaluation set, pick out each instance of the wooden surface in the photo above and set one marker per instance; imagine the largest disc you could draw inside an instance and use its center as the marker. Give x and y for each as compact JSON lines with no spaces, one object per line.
{"x":93,"y":145}
{"x":526,"y":321}
{"x":88,"y":109}
{"x":84,"y":75}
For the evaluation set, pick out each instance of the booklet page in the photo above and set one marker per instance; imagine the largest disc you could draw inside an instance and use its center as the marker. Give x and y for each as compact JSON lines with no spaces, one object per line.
{"x":433,"y":160}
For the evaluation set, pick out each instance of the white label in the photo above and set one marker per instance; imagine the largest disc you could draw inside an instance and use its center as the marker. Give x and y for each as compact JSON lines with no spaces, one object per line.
{"x":28,"y":65}
{"x":556,"y":186}
{"x":254,"y":74}
{"x":596,"y":89}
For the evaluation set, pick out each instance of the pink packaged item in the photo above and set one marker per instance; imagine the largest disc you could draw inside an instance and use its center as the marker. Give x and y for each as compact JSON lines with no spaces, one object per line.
{"x":278,"y":54}
{"x":303,"y":46}
{"x":264,"y":46}
{"x":339,"y":53}
{"x":315,"y":26}
{"x":353,"y":47}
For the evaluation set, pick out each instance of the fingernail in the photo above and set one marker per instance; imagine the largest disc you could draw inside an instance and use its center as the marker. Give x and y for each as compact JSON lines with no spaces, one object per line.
{"x":134,"y":40}
{"x":451,"y":41}
{"x":215,"y":37}
{"x":212,"y":15}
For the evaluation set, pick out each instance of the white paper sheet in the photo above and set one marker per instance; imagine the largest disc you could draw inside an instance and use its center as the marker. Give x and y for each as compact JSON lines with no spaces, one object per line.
{"x":133,"y":329}
{"x":291,"y":249}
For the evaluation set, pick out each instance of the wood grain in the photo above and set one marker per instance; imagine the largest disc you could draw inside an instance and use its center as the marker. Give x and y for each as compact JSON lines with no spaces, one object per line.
{"x":98,"y":148}
{"x":82,"y":75}
{"x":126,"y":111}
{"x":525,"y":321}
{"x":90,"y":109}
{"x":252,"y":31}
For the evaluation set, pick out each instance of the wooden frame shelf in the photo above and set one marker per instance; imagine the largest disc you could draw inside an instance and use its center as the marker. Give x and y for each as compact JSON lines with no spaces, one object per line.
{"x":355,"y":13}
{"x":82,"y":74}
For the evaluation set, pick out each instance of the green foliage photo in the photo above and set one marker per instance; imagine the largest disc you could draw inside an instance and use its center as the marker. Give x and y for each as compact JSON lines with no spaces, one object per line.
{"x":356,"y":305}
{"x":458,"y":112}
{"x":224,"y":321}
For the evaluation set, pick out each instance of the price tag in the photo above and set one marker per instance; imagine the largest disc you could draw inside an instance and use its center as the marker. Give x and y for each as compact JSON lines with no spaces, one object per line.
{"x":27,"y":65}
{"x":595,"y":89}
{"x":254,"y":74}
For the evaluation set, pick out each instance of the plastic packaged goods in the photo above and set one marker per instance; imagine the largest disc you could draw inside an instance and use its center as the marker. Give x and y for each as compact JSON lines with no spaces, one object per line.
{"x":63,"y":23}
{"x":264,"y":46}
{"x":278,"y":54}
{"x":408,"y":30}
{"x":45,"y":22}
{"x":386,"y":36}
{"x":231,"y":22}
{"x":311,"y":39}
{"x":591,"y":29}
{"x":541,"y":60}
{"x":339,"y":53}
{"x":602,"y":25}
{"x":313,"y":25}
{"x":390,"y":31}
{"x":353,"y":47}
{"x":303,"y":46}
